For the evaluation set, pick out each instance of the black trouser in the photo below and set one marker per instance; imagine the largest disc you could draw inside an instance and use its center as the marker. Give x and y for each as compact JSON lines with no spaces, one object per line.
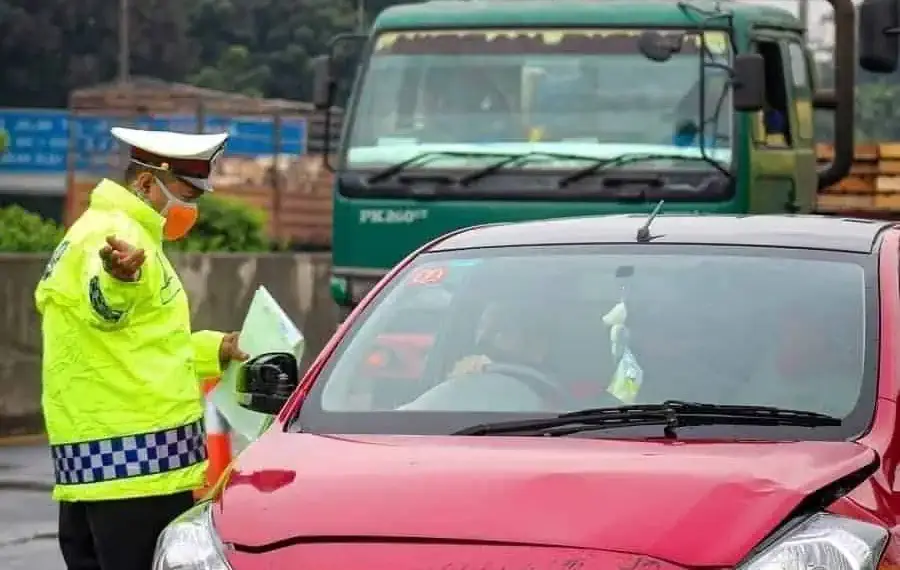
{"x":116,"y":535}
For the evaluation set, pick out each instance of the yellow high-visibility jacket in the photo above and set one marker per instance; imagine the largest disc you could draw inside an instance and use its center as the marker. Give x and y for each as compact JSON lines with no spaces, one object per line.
{"x":121,"y":369}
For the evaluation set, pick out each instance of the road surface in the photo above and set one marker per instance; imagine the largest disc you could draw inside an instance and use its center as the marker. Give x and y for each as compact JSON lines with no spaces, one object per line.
{"x":27,"y":515}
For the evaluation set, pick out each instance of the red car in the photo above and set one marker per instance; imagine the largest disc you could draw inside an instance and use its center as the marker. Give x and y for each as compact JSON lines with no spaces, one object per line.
{"x":745,"y":414}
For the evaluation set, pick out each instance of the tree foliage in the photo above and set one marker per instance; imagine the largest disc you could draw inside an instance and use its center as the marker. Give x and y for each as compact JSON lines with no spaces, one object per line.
{"x":269,"y":43}
{"x":877,"y":98}
{"x":24,"y":231}
{"x":257,"y":47}
{"x":50,"y":47}
{"x":876,"y":108}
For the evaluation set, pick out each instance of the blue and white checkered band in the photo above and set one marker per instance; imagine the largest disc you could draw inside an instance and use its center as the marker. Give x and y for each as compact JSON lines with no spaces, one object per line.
{"x":129,"y":456}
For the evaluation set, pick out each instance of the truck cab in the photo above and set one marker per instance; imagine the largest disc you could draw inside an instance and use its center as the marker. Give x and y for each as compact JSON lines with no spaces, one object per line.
{"x":467,"y":112}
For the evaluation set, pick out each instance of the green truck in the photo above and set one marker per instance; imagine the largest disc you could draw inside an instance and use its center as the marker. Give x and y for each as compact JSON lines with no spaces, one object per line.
{"x":467,"y":112}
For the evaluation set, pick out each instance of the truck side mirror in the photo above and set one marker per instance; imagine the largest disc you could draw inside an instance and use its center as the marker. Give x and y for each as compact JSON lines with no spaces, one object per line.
{"x":323,"y":83}
{"x":879,"y":24}
{"x":748,"y":82}
{"x":264,"y":383}
{"x":824,"y":99}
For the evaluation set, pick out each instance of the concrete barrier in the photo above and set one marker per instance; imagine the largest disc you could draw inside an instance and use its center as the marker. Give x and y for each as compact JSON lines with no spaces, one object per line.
{"x":219,"y":287}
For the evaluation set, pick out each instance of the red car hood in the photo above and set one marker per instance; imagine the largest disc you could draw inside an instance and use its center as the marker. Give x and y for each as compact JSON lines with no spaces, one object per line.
{"x":695,"y":504}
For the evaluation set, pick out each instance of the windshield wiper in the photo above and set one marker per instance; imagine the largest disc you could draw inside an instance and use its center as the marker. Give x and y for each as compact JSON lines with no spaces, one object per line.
{"x":605,"y":164}
{"x":513,"y":160}
{"x":670,"y":414}
{"x":393,"y":169}
{"x":506,"y":160}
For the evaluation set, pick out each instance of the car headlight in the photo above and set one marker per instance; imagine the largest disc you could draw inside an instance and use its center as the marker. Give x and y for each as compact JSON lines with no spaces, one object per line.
{"x":190,"y":543}
{"x":824,"y":541}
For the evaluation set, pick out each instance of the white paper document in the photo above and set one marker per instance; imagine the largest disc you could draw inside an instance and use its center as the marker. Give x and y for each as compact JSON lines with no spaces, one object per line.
{"x":267,"y":328}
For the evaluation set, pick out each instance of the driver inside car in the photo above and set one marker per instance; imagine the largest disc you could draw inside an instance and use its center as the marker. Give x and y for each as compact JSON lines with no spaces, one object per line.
{"x":504,"y":373}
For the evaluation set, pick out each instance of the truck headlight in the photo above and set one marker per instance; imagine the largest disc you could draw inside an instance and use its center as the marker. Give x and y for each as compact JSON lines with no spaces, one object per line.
{"x":190,"y":543}
{"x":824,"y":541}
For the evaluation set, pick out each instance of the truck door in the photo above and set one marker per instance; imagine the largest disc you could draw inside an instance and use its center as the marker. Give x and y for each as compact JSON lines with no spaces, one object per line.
{"x":775,"y":172}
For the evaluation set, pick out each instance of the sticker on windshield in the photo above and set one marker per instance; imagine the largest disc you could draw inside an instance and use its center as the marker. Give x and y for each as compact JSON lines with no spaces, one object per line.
{"x":627,"y":379}
{"x":428,"y":276}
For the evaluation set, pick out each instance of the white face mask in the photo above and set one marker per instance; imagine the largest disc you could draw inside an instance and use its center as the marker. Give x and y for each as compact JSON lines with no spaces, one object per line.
{"x":180,"y":215}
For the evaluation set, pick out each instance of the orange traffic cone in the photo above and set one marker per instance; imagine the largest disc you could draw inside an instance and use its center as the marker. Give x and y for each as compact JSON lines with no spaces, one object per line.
{"x":218,"y":441}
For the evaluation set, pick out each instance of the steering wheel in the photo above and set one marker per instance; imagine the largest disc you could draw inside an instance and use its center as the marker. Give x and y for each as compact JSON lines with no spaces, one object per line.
{"x":550,"y":391}
{"x":537,"y":382}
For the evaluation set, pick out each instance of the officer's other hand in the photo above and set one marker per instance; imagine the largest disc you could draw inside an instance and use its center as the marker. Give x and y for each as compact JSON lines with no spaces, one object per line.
{"x":229,"y":350}
{"x":121,"y":259}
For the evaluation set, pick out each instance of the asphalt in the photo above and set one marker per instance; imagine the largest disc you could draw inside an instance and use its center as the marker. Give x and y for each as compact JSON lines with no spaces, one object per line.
{"x":28,"y":516}
{"x":26,"y":468}
{"x":27,"y":513}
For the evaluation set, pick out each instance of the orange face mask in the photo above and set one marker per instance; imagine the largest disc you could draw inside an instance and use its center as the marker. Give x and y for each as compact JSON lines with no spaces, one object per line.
{"x":180,"y":215}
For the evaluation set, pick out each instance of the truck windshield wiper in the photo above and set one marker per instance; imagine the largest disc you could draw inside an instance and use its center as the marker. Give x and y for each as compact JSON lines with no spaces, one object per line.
{"x":604,"y":164}
{"x":393,"y":169}
{"x":670,"y":414}
{"x":506,"y":160}
{"x":513,"y":160}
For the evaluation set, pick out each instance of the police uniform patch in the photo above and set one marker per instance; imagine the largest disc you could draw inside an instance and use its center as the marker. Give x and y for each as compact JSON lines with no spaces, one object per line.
{"x":99,"y":304}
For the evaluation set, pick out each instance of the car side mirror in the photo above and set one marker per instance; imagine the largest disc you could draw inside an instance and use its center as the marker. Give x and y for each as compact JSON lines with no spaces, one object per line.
{"x":264,"y":383}
{"x":879,"y":26}
{"x":748,"y":82}
{"x":323,"y":83}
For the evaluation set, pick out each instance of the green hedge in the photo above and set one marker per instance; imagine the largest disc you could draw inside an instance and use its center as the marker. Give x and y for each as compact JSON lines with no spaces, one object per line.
{"x":24,"y":231}
{"x":4,"y":141}
{"x":226,"y":225}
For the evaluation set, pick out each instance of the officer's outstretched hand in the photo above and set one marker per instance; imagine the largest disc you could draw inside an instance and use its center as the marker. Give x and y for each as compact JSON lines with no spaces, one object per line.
{"x":229,"y":350}
{"x":121,"y":259}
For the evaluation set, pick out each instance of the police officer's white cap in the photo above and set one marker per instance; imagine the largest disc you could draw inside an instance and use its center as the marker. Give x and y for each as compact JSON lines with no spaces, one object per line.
{"x":187,"y":156}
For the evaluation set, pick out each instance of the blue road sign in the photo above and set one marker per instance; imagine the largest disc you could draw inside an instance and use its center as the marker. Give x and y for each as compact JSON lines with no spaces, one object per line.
{"x":252,"y":136}
{"x":39,"y":139}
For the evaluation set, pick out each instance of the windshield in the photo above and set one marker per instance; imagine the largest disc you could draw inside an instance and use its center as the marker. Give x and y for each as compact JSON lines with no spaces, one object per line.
{"x":588,"y":93}
{"x":461,"y":337}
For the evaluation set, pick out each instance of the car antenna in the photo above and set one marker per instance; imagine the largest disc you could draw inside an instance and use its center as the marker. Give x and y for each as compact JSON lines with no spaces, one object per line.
{"x":643,"y":233}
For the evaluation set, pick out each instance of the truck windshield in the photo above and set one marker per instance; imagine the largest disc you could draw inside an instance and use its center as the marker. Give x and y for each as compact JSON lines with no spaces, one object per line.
{"x":569,"y":92}
{"x":469,"y":336}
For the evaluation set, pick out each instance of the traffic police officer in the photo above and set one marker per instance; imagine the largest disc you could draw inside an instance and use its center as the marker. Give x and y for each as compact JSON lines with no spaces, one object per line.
{"x":121,"y":369}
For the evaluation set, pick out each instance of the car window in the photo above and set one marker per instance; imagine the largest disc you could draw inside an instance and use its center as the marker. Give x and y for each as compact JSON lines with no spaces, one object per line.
{"x":393,"y":369}
{"x":801,"y":74}
{"x":488,"y":332}
{"x":555,"y":88}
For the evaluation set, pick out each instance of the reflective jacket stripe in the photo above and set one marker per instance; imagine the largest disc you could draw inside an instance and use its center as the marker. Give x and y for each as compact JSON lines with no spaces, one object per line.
{"x":129,"y":456}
